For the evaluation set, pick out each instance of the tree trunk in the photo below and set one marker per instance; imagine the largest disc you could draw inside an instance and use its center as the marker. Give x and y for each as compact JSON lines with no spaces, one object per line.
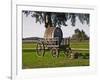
{"x":48,"y":21}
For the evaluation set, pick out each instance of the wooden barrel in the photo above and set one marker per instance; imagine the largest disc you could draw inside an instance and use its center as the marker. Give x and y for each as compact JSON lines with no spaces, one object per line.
{"x":52,"y":32}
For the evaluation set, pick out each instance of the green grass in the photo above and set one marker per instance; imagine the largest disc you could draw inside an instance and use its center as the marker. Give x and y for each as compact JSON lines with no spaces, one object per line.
{"x":31,"y":60}
{"x":82,"y":44}
{"x":28,"y":45}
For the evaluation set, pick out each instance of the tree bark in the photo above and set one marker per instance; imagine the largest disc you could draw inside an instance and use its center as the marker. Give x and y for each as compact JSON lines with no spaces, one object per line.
{"x":48,"y":21}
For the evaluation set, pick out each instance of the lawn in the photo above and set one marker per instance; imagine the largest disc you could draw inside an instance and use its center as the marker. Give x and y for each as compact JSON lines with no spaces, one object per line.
{"x":31,"y":60}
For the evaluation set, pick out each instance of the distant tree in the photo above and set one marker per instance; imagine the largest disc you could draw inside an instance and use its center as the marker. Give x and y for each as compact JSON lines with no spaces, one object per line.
{"x":79,"y":35}
{"x":84,"y":36}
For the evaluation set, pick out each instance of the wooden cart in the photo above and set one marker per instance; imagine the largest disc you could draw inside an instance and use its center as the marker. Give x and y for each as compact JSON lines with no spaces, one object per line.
{"x":54,"y":41}
{"x":54,"y":46}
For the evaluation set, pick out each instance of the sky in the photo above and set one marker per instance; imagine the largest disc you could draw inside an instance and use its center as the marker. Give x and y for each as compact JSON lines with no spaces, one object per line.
{"x":33,"y":29}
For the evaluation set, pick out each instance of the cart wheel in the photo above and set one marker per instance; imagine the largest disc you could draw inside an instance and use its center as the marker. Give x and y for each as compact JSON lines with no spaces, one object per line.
{"x":40,"y":49}
{"x":68,"y":51}
{"x":55,"y":52}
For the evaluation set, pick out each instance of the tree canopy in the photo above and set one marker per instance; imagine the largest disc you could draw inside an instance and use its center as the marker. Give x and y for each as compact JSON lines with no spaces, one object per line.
{"x":55,"y":19}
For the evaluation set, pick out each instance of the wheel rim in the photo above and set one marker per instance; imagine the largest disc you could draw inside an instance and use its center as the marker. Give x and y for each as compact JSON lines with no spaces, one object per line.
{"x":40,"y":49}
{"x":54,"y":52}
{"x":68,"y":51}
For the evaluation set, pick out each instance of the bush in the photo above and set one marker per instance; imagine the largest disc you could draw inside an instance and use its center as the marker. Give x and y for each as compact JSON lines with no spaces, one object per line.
{"x":86,"y":56}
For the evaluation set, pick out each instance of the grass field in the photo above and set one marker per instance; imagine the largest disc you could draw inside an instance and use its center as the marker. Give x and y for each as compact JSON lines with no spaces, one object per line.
{"x":31,"y":60}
